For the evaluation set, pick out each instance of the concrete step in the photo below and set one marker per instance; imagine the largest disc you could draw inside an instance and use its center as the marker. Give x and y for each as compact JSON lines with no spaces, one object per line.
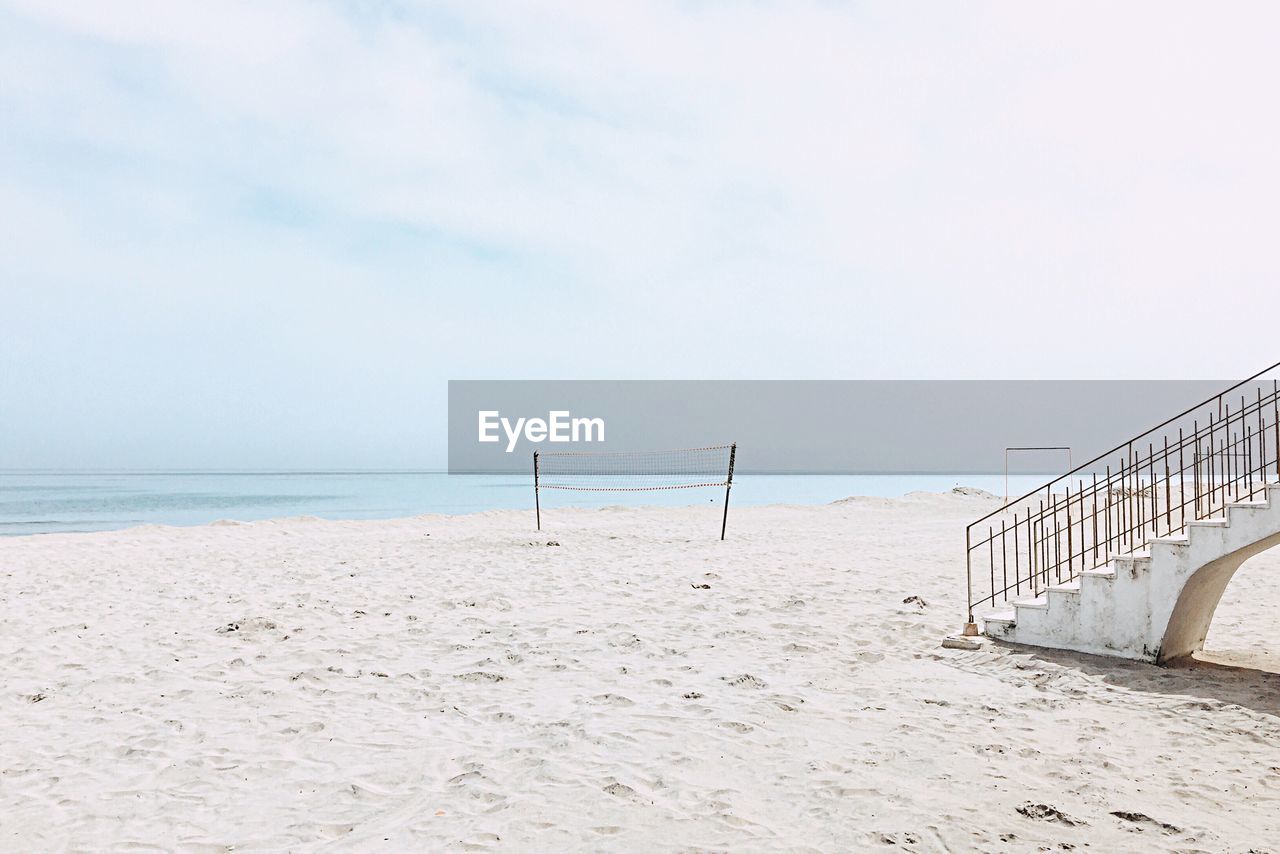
{"x":1129,"y":566}
{"x":1032,"y":615}
{"x":1059,"y":594}
{"x":1007,"y":618}
{"x":1001,"y":624}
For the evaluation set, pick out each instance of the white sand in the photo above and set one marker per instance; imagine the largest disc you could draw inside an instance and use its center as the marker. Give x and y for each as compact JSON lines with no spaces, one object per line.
{"x":456,"y":683}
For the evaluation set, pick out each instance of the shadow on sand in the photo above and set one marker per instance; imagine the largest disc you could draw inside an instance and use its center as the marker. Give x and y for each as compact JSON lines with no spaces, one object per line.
{"x":1248,"y":679}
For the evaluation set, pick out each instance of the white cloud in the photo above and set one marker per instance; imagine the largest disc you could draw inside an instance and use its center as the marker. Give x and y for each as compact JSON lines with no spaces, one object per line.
{"x":640,"y":189}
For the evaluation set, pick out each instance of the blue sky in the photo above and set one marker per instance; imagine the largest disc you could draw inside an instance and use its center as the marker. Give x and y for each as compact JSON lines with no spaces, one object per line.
{"x":267,"y":234}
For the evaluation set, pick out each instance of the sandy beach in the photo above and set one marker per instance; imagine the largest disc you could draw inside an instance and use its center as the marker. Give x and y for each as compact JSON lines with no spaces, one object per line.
{"x":620,"y":681}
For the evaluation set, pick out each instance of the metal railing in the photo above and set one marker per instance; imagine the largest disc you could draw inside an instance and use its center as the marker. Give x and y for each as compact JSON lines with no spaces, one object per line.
{"x":1188,"y":468}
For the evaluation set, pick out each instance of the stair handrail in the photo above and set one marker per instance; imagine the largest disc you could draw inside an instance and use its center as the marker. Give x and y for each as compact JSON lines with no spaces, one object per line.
{"x":1130,"y":468}
{"x":1126,"y":443}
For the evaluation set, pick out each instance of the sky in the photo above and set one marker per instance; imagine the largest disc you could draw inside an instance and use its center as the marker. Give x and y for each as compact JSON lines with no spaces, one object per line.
{"x":266,"y":234}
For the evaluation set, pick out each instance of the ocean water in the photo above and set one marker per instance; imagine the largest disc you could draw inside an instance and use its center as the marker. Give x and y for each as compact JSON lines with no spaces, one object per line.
{"x":34,"y":502}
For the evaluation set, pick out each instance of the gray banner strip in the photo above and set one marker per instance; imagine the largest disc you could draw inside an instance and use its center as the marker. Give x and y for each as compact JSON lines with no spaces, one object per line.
{"x":815,"y":426}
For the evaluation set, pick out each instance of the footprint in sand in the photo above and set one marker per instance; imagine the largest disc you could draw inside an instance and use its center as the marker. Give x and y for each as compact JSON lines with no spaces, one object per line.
{"x":1048,"y":812}
{"x":480,"y":841}
{"x":622,"y":790}
{"x":905,"y":838}
{"x":480,"y":676}
{"x":737,"y":726}
{"x":1142,"y":822}
{"x":247,"y":626}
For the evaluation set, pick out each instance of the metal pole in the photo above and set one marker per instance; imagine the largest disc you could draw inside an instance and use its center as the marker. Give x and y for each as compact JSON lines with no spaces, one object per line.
{"x":1027,"y":448}
{"x":968,"y":577}
{"x":728,"y":484}
{"x":537,"y":504}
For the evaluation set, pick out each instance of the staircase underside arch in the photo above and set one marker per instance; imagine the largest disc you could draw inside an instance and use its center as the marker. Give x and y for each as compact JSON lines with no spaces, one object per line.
{"x":1192,"y":613}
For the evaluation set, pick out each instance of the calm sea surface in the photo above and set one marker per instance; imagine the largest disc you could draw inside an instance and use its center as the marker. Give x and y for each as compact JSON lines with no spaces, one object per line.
{"x":33,"y":502}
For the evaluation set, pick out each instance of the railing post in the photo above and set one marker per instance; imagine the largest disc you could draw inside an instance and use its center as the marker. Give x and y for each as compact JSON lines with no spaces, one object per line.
{"x":1182,"y":482}
{"x":1275,"y":417}
{"x":1195,"y":473}
{"x":970,"y":626}
{"x":968,"y":575}
{"x":1070,"y":542}
{"x":1017,"y":564}
{"x":1094,"y":517}
{"x":1106,"y":549}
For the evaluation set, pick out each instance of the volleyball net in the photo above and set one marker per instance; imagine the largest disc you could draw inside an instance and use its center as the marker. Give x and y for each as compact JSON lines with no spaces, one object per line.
{"x":634,"y":471}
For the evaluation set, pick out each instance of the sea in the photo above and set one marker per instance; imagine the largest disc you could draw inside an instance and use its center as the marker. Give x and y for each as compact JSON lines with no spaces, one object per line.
{"x":41,"y":502}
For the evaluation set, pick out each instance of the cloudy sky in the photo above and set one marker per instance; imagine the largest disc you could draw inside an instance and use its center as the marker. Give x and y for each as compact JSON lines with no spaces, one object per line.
{"x":267,"y":233}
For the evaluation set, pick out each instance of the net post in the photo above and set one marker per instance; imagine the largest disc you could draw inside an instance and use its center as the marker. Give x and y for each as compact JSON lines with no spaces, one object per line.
{"x":728,"y":484}
{"x":537,"y":504}
{"x":970,"y":627}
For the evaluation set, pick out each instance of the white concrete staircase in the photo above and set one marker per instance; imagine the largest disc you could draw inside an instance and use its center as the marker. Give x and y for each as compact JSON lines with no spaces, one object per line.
{"x":1154,"y":605}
